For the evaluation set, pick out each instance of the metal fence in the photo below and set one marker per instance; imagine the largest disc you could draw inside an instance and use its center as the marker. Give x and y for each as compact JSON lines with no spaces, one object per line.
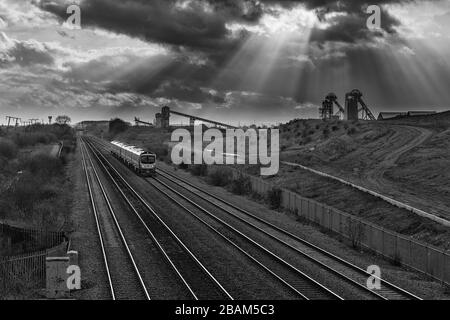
{"x":402,"y":249}
{"x":27,"y":240}
{"x":28,"y":269}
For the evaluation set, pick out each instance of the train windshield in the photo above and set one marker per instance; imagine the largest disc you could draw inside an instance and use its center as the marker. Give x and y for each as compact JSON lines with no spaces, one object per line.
{"x":148,"y":159}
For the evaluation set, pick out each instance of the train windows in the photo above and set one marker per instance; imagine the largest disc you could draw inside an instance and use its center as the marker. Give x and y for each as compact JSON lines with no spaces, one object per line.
{"x":147,"y":159}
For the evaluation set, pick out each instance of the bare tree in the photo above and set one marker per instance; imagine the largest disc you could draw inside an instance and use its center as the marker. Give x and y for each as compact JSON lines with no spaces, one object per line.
{"x":63,"y":119}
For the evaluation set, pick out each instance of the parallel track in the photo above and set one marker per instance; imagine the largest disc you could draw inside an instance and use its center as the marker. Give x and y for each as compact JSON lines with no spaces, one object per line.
{"x":303,"y":286}
{"x":201,"y":283}
{"x":291,"y":277}
{"x":347,"y":271}
{"x":124,"y":277}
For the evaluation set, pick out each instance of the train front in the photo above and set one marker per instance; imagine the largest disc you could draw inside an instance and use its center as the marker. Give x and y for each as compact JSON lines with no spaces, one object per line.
{"x":148,"y":164}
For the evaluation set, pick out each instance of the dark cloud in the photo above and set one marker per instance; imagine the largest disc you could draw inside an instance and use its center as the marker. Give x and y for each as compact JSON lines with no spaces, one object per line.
{"x":201,"y":24}
{"x":181,"y":91}
{"x":192,"y":24}
{"x":201,"y":47}
{"x":168,"y":76}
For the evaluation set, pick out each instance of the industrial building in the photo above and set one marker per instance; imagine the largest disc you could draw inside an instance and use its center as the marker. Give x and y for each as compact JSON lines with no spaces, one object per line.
{"x":355,"y":107}
{"x":162,"y":119}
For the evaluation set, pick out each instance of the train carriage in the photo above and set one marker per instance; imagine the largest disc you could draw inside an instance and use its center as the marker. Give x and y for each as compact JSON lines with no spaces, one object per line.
{"x":142,"y":161}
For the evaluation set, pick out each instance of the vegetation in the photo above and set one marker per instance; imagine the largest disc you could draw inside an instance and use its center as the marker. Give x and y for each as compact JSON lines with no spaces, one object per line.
{"x":8,"y":148}
{"x":117,"y":126}
{"x":159,"y":149}
{"x":220,"y":177}
{"x":241,"y":185}
{"x":63,"y":120}
{"x":35,"y":189}
{"x":274,"y":198}
{"x":199,"y":170}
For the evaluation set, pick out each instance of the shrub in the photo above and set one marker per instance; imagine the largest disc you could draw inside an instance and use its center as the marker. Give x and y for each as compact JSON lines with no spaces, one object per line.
{"x":241,"y":185}
{"x":183,"y":166}
{"x":307,"y":140}
{"x":199,"y":170}
{"x":274,"y":197}
{"x":351,"y":131}
{"x":43,"y":164}
{"x":7,"y":149}
{"x":117,"y":126}
{"x":33,"y":138}
{"x":220,"y":177}
{"x":335,"y":128}
{"x":326,"y":132}
{"x":159,"y":149}
{"x":26,"y":191}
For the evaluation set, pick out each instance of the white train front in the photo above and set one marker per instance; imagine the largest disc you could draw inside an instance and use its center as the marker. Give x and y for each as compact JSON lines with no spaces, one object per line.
{"x":143,"y":162}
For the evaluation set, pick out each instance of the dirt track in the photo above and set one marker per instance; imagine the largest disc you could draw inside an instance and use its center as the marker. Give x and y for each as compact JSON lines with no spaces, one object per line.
{"x":370,"y":164}
{"x":405,"y":139}
{"x":385,"y":156}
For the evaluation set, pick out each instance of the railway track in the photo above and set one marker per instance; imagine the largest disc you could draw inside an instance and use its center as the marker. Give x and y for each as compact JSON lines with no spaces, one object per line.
{"x":346,"y":271}
{"x":236,"y":216}
{"x":299,"y":283}
{"x":124,"y":277}
{"x":195,"y":276}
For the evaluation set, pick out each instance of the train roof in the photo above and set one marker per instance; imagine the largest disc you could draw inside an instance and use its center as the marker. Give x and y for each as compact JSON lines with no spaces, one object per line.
{"x":133,"y":149}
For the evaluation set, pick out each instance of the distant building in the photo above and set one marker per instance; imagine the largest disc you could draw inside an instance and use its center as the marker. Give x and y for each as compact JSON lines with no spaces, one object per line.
{"x":420,"y":113}
{"x":390,"y":115}
{"x":158,"y":120}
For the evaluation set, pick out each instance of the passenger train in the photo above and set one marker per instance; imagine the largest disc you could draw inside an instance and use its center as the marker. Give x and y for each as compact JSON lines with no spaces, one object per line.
{"x":142,"y":162}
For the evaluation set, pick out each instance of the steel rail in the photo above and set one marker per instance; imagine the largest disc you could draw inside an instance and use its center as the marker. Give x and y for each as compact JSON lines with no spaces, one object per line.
{"x":362,"y":272}
{"x":97,"y":223}
{"x":275,"y":257}
{"x":119,"y":229}
{"x":167,"y":228}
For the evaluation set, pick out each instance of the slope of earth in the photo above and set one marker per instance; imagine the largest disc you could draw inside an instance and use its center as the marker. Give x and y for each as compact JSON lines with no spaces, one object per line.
{"x":154,"y":139}
{"x":404,"y":159}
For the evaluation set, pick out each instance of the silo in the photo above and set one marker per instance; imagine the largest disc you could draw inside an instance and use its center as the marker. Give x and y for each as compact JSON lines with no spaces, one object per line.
{"x":158,"y":120}
{"x":351,"y":107}
{"x":165,"y":116}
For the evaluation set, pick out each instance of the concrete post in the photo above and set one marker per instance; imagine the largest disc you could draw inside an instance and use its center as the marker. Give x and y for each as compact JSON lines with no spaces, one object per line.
{"x":56,"y":277}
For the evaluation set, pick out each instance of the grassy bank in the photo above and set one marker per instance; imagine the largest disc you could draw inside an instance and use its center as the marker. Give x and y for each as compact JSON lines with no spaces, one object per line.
{"x":35,"y":190}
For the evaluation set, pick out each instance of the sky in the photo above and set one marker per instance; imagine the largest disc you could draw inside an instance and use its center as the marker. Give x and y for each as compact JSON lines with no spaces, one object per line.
{"x":236,"y":61}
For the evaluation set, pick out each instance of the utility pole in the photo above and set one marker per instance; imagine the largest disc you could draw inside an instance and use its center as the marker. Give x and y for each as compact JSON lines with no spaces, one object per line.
{"x":9,"y":118}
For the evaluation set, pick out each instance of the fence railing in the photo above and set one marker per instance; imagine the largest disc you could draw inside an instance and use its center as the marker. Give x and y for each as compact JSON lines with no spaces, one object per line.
{"x":27,"y":269}
{"x":28,"y":240}
{"x":401,"y":249}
